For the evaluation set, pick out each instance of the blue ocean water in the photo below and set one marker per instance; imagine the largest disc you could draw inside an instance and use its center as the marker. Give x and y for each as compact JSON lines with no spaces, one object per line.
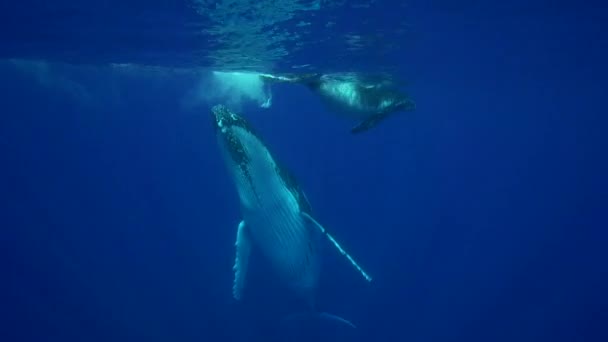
{"x":481,"y":215}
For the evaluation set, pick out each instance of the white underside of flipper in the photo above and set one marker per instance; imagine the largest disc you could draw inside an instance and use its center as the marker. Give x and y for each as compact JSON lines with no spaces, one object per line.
{"x":331,"y":239}
{"x":241,"y":260}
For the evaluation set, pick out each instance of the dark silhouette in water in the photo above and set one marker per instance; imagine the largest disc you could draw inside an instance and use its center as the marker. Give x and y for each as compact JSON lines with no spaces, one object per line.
{"x":368,"y":99}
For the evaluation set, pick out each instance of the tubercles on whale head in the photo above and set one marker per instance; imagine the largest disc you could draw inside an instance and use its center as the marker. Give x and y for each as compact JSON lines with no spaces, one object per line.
{"x":217,"y":116}
{"x":224,"y":119}
{"x":229,"y":127}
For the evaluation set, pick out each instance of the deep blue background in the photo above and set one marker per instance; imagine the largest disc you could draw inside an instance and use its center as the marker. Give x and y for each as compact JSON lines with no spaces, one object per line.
{"x":481,"y":215}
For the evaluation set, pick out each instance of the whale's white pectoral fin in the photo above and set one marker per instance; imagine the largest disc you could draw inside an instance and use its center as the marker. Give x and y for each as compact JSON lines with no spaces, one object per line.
{"x":331,"y":239}
{"x":241,"y":261}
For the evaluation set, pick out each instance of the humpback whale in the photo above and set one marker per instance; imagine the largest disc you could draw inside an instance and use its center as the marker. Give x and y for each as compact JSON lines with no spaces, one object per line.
{"x":366,"y":98}
{"x":276,"y":216}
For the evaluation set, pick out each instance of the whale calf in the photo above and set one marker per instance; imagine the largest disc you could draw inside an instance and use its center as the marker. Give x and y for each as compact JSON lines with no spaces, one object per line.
{"x":365,"y":98}
{"x":276,"y":216}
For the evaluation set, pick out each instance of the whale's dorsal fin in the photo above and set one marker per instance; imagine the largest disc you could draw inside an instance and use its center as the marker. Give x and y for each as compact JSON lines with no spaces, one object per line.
{"x":331,"y":239}
{"x":241,"y":261}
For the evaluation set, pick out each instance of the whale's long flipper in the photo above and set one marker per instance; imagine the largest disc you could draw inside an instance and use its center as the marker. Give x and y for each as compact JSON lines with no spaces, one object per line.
{"x":405,"y":106}
{"x":241,"y":261}
{"x":368,"y":123}
{"x":306,"y":79}
{"x":314,"y":222}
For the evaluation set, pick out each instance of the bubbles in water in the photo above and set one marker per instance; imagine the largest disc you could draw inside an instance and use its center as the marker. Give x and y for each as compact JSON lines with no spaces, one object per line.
{"x":232,"y":89}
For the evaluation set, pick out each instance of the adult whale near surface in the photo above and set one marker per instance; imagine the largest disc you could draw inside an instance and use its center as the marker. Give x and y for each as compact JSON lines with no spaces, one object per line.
{"x":369,"y":99}
{"x":276,"y":216}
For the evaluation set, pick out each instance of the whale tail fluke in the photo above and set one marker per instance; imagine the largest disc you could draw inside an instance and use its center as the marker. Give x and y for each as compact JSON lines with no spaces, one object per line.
{"x":323,"y":318}
{"x":317,"y":326}
{"x":337,"y":319}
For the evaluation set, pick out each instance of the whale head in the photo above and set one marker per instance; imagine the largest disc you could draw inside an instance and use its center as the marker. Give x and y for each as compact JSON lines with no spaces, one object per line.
{"x":252,"y":165}
{"x":236,"y":138}
{"x":246,"y":156}
{"x":234,"y":134}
